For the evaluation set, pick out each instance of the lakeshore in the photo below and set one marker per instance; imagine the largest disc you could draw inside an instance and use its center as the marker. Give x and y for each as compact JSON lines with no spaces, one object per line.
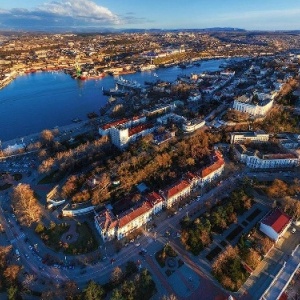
{"x":44,"y":100}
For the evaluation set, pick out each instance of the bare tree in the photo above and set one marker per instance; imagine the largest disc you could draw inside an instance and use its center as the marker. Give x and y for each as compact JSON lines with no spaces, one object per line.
{"x":25,"y":204}
{"x":47,"y":136}
{"x":11,"y":273}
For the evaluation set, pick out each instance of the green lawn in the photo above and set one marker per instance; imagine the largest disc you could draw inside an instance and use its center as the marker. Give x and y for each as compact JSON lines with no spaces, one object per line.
{"x":86,"y":241}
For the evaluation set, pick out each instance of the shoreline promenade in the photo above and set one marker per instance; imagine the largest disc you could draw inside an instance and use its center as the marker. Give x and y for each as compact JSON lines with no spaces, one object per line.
{"x":34,"y":137}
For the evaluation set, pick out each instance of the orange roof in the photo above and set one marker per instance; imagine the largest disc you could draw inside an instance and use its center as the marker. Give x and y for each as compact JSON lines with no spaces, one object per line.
{"x":176,"y":189}
{"x":115,"y":123}
{"x":106,"y":220}
{"x":153,"y":198}
{"x":189,"y":176}
{"x":128,"y":217}
{"x":139,"y":128}
{"x":212,"y":168}
{"x":218,"y":163}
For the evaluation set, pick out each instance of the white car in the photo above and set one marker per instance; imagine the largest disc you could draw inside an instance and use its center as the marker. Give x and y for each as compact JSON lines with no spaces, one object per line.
{"x":293,"y":230}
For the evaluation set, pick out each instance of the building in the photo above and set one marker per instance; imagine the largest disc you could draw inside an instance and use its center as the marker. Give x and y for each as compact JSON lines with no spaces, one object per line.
{"x":121,"y":136}
{"x":159,"y":109}
{"x":192,"y":125}
{"x":213,"y":171}
{"x":256,"y":160}
{"x":275,"y":224}
{"x":240,"y":137}
{"x":258,"y":107}
{"x":156,"y":201}
{"x":126,"y":123}
{"x":106,"y":223}
{"x":176,"y":192}
{"x":133,"y":219}
{"x":110,"y":226}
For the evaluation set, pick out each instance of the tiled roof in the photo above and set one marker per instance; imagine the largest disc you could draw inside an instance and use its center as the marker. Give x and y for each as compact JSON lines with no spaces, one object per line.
{"x":106,"y":220}
{"x":277,"y":220}
{"x":114,"y":123}
{"x":135,"y":213}
{"x":138,"y":129}
{"x":218,"y":163}
{"x":176,"y":189}
{"x":153,"y":198}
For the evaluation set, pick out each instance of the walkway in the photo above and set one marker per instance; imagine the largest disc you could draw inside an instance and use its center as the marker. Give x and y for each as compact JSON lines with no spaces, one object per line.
{"x":283,"y":278}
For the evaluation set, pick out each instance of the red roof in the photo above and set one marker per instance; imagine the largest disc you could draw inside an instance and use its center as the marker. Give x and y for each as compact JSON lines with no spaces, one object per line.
{"x":176,"y":189}
{"x":153,"y":198}
{"x":130,"y":216}
{"x":277,"y":220}
{"x":138,"y":129}
{"x":189,"y":176}
{"x":217,"y":164}
{"x":114,"y":123}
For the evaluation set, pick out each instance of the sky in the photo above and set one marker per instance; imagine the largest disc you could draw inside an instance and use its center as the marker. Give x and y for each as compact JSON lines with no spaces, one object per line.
{"x":145,"y":14}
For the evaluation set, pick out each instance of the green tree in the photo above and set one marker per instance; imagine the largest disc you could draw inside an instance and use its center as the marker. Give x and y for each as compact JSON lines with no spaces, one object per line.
{"x":94,"y":291}
{"x":12,"y":292}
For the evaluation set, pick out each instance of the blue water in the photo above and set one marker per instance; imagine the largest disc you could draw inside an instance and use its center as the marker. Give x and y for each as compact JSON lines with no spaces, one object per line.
{"x":38,"y":101}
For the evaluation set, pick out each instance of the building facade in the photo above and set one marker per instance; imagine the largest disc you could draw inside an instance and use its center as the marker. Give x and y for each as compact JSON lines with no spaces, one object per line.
{"x":247,"y":105}
{"x":240,"y":137}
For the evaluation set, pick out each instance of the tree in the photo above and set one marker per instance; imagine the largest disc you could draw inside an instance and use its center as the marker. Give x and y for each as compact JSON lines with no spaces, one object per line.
{"x":278,"y":189}
{"x":47,"y":136}
{"x":116,"y":275}
{"x":25,"y":204}
{"x":94,"y":291}
{"x":4,"y":251}
{"x":130,"y":267}
{"x":252,"y":258}
{"x":70,"y":290}
{"x":11,"y":273}
{"x":170,"y":297}
{"x":117,"y":295}
{"x":12,"y":292}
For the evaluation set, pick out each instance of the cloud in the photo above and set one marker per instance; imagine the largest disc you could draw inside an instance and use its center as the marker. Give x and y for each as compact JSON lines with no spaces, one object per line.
{"x":60,"y":14}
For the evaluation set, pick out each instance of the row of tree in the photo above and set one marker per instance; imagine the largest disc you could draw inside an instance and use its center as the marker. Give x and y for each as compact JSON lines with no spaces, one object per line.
{"x":8,"y":273}
{"x":197,"y":234}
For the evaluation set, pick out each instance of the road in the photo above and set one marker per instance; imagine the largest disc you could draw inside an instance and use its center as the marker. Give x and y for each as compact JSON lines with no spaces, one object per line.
{"x":151,"y":241}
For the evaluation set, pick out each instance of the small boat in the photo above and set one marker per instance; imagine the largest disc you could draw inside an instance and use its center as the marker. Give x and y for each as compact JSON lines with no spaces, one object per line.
{"x":76,"y":120}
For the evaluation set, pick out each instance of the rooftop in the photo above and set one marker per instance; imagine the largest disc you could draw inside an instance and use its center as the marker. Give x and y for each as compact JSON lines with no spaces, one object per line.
{"x":277,"y":220}
{"x":176,"y":189}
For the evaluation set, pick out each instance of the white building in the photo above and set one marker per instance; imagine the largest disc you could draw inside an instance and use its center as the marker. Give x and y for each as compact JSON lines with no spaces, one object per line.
{"x":213,"y":171}
{"x":122,"y":136}
{"x":259,"y":108}
{"x":110,"y":226}
{"x":256,"y":160}
{"x":239,"y":137}
{"x":275,"y":224}
{"x":192,"y":125}
{"x":126,"y":123}
{"x":176,"y":192}
{"x":133,"y":219}
{"x":106,"y":223}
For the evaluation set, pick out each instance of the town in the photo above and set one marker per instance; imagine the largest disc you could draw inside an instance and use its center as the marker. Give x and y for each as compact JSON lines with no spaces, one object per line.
{"x":172,"y":186}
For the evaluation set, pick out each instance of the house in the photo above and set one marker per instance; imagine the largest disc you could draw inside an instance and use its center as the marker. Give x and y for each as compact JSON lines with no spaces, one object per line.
{"x":212,"y":171}
{"x":110,"y":226}
{"x":106,"y":223}
{"x":133,"y":219}
{"x":174,"y":193}
{"x":275,"y":224}
{"x":156,"y":201}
